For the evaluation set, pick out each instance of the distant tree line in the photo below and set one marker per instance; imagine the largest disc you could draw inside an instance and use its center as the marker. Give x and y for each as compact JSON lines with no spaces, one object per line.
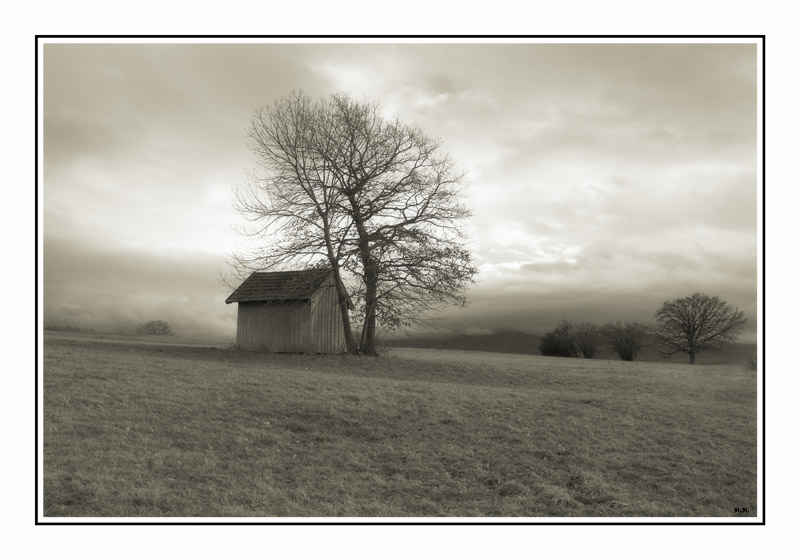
{"x":688,"y":325}
{"x":587,"y":340}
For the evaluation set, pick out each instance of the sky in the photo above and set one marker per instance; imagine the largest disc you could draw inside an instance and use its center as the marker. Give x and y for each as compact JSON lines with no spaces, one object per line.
{"x":603,"y":179}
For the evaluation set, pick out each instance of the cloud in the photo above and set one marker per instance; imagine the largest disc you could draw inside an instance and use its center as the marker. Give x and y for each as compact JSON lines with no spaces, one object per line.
{"x":603,"y":178}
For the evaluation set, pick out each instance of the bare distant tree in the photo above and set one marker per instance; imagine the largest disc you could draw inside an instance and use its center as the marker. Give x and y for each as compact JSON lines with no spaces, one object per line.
{"x":588,"y":339}
{"x":696,"y":323}
{"x":572,"y":340}
{"x":560,"y":341}
{"x":374,"y":199}
{"x":626,"y":340}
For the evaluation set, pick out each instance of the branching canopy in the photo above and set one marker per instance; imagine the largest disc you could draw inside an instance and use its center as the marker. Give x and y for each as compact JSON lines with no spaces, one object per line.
{"x":374,"y":199}
{"x":696,"y":323}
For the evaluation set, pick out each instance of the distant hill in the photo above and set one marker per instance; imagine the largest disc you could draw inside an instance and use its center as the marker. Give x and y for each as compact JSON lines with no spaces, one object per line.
{"x":503,"y":340}
{"x":510,"y":341}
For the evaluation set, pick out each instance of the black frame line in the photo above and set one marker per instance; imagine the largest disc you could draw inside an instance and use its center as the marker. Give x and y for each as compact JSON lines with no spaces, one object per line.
{"x":525,"y":522}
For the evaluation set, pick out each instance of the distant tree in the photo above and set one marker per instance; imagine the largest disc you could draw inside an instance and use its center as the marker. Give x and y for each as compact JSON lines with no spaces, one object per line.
{"x":155,"y":327}
{"x":560,"y":342}
{"x":626,"y":340}
{"x":696,"y":323}
{"x":373,"y":199}
{"x":588,"y":339}
{"x":572,"y":340}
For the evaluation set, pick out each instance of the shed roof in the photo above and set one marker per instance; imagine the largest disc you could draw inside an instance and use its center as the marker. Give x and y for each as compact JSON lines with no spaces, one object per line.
{"x":280,"y":286}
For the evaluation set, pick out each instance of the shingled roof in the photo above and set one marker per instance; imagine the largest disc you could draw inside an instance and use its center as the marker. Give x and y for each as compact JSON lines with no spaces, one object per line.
{"x":280,"y":286}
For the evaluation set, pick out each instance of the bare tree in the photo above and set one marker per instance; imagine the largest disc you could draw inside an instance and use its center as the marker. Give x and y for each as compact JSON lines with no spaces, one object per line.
{"x":696,"y":323}
{"x":572,"y":340}
{"x":626,"y":340}
{"x":587,"y":337}
{"x":374,"y":199}
{"x":560,"y":341}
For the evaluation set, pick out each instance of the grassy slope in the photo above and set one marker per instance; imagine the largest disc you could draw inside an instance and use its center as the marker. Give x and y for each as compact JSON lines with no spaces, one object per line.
{"x":137,"y":429}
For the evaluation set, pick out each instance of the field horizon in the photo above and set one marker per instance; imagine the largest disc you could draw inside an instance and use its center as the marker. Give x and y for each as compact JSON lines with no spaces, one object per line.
{"x":147,"y":426}
{"x":503,"y":341}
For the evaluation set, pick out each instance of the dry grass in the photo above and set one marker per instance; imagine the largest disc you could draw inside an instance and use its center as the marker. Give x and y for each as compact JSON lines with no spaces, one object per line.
{"x":140,"y":428}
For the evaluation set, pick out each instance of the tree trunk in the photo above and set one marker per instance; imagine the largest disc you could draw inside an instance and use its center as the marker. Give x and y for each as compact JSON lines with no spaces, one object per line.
{"x":691,"y":357}
{"x":350,"y":342}
{"x":368,"y":345}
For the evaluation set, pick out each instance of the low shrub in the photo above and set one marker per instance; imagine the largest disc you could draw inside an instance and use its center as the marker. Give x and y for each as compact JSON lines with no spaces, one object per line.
{"x":155,"y":327}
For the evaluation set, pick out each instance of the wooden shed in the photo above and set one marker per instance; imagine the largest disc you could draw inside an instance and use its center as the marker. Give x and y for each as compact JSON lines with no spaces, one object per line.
{"x":295,"y":311}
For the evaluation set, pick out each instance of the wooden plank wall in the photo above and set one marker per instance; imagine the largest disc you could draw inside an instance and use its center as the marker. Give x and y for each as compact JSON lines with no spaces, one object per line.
{"x":277,"y":327}
{"x":326,"y":321}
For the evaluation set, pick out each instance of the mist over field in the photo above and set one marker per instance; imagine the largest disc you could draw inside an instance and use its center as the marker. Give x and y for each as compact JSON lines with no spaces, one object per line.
{"x":114,"y":289}
{"x":111,"y":290}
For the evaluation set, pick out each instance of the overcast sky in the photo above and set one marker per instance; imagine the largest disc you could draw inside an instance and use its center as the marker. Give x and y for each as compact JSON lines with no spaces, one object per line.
{"x":603,"y":178}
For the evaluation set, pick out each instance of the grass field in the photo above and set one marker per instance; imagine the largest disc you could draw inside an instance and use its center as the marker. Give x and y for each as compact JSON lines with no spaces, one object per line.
{"x":138,"y":426}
